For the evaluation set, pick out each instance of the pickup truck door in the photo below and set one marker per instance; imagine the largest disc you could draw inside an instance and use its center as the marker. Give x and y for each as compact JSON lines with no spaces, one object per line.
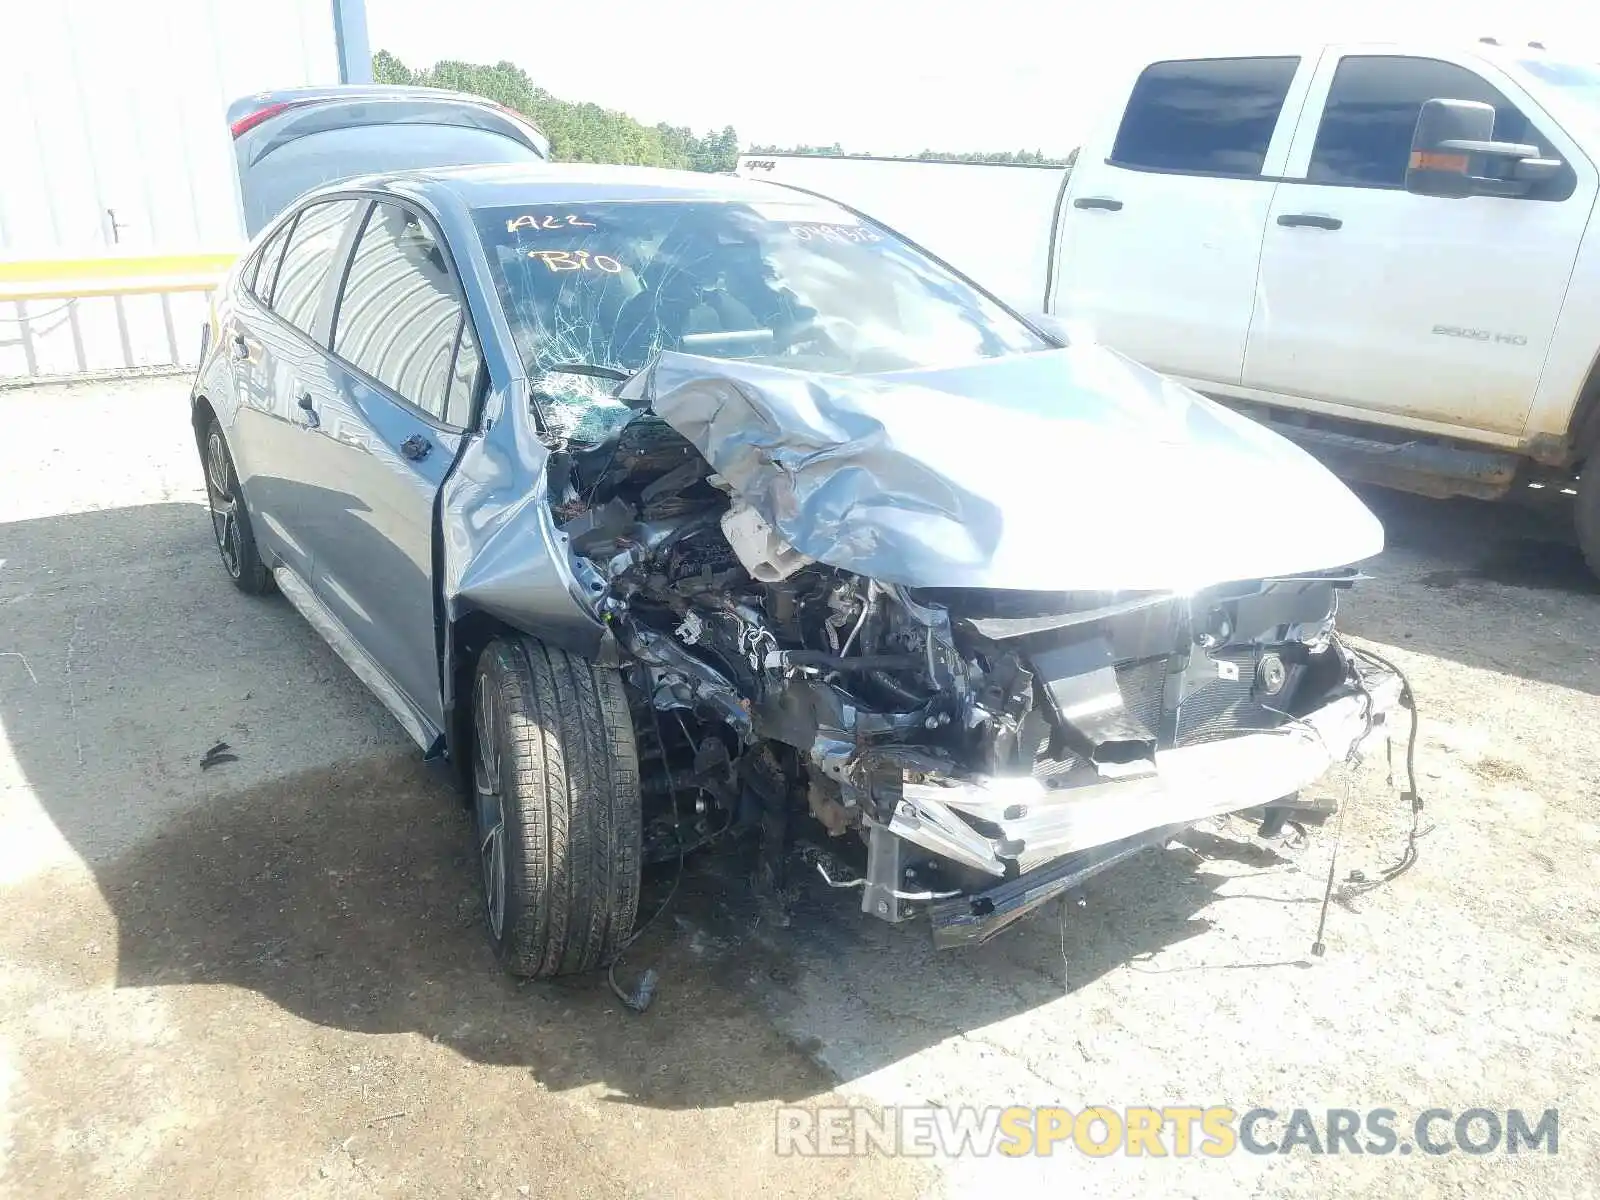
{"x":1161,"y":234}
{"x":1373,"y":300}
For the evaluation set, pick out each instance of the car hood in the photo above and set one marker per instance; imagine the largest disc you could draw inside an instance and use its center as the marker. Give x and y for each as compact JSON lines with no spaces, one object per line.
{"x":1065,"y":470}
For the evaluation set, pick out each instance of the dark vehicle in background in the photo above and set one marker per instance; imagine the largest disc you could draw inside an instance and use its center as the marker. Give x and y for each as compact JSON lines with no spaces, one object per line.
{"x":669,"y":506}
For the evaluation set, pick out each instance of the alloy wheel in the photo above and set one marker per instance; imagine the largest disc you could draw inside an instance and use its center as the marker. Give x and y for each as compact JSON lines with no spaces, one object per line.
{"x":224,"y":504}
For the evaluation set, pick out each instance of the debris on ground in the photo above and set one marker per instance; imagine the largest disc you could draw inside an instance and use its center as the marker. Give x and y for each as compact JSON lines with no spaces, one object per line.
{"x":216,"y":756}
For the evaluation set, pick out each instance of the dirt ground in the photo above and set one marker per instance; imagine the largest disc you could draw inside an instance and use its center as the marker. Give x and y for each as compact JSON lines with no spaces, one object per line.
{"x":266,"y":978}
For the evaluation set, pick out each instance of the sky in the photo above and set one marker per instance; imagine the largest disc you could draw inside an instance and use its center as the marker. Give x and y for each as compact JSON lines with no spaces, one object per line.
{"x":896,"y":78}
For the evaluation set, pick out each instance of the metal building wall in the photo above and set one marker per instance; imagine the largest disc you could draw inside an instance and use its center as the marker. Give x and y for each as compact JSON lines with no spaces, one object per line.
{"x":113,"y":144}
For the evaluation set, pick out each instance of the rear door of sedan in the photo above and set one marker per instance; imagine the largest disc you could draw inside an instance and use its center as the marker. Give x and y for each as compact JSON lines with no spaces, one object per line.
{"x":277,"y":343}
{"x":404,"y":372}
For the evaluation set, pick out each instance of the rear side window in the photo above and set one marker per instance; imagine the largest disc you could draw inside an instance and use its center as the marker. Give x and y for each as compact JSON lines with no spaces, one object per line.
{"x":399,"y":317}
{"x":265,"y":273}
{"x":1371,"y":114}
{"x":1211,"y":116}
{"x":312,"y":243}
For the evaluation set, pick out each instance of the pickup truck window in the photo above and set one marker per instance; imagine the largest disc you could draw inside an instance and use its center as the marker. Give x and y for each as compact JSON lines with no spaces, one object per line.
{"x":1212,"y":116}
{"x":1364,"y":139}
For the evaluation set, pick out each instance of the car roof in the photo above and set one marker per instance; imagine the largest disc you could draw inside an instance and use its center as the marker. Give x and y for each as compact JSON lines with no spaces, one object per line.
{"x":557,"y":183}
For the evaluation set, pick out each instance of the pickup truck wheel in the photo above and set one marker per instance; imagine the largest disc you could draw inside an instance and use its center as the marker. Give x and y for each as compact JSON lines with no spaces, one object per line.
{"x":1587,"y":512}
{"x":556,"y":808}
{"x":230,"y":519}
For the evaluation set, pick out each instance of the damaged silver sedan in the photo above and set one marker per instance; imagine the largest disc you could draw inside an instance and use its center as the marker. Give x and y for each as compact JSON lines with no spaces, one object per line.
{"x":673,"y":507}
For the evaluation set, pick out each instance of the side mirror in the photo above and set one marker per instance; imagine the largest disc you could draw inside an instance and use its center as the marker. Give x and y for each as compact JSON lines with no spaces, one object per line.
{"x":1452,"y":135}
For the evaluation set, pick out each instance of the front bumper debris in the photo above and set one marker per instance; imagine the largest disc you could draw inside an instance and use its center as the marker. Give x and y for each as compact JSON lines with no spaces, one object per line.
{"x":969,"y":920}
{"x":1048,"y":840}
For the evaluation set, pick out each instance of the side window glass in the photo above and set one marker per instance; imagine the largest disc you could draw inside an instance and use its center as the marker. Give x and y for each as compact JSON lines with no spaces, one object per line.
{"x":267,"y":266}
{"x":1214,"y":116}
{"x":306,"y":261}
{"x":398,"y":316}
{"x":463,"y":379}
{"x":1371,"y":114}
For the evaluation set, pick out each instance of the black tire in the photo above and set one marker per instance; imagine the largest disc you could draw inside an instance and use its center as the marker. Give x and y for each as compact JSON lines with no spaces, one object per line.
{"x":230,"y":518}
{"x":1587,"y":512}
{"x":557,"y":816}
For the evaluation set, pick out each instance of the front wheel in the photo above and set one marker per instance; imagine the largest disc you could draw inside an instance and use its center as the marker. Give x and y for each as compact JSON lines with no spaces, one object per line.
{"x":556,"y":808}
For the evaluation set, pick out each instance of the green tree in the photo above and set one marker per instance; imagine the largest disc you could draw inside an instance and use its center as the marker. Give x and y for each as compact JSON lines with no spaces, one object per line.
{"x":584,"y":132}
{"x":578,"y":132}
{"x":386,"y":68}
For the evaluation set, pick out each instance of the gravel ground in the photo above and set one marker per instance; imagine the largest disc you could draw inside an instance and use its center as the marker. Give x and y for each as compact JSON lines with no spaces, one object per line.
{"x":266,"y":978}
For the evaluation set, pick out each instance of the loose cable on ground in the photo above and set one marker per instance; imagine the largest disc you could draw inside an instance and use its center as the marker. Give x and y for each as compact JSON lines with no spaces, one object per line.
{"x":1358,"y":882}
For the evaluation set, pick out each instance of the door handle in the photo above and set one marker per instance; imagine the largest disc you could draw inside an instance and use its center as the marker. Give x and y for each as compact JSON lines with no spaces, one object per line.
{"x":1309,"y":221}
{"x":1103,"y":202}
{"x":416,"y":447}
{"x":241,"y":347}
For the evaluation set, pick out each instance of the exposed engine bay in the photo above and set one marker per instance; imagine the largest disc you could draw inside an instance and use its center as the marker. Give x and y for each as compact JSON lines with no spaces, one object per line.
{"x":968,"y":752}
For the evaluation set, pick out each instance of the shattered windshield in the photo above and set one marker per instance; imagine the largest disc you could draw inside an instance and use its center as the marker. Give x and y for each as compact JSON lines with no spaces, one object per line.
{"x":804,"y":285}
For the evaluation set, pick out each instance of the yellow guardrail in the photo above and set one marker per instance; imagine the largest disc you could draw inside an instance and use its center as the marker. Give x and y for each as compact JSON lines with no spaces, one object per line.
{"x":111,"y":275}
{"x":69,"y":317}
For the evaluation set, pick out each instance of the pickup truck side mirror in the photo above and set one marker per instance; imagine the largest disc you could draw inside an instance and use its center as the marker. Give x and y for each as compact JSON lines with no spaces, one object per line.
{"x":1454,"y":136}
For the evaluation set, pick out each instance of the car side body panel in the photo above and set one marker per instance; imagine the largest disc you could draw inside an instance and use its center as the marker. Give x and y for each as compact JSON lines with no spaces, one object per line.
{"x":390,"y":551}
{"x":374,"y":507}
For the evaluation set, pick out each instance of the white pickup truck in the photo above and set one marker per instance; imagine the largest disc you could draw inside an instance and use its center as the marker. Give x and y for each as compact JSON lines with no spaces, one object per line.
{"x":1388,"y":252}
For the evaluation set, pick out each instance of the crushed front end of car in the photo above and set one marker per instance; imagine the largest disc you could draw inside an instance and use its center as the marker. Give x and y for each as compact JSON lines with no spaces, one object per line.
{"x":983,"y":631}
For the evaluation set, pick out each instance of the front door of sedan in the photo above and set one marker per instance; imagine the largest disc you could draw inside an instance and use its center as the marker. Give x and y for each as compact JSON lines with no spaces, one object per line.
{"x":404,"y":369}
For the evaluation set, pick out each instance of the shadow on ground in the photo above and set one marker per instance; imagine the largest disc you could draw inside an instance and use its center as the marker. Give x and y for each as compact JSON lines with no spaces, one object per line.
{"x":347,"y":894}
{"x":1520,"y":545}
{"x":348,"y":897}
{"x":1496,"y":587}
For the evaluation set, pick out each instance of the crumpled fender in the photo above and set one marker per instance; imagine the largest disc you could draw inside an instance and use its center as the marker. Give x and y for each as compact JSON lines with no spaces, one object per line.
{"x":501,"y":551}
